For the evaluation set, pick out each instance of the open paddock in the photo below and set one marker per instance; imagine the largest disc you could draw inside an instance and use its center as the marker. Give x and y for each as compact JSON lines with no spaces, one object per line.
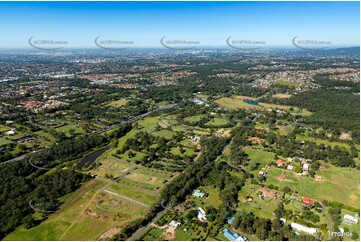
{"x":337,"y":184}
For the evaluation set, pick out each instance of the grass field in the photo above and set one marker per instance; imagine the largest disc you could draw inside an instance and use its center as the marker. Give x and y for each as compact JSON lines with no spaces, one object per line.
{"x":337,"y":184}
{"x":118,"y":103}
{"x":187,"y":151}
{"x":140,"y":195}
{"x":45,"y":135}
{"x":263,"y":157}
{"x":286,"y":83}
{"x":65,"y":129}
{"x":149,"y":124}
{"x":167,"y":134}
{"x":146,"y":178}
{"x":4,"y":128}
{"x":217,"y":122}
{"x":235,"y":103}
{"x":153,"y":234}
{"x":323,"y":141}
{"x":281,"y":95}
{"x":4,"y":141}
{"x":260,"y":207}
{"x":285,"y":129}
{"x":72,"y":223}
{"x":194,"y":119}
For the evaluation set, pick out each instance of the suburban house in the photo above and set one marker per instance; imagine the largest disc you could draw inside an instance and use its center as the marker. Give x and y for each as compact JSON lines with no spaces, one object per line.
{"x":234,"y":236}
{"x":306,"y":167}
{"x":174,"y":223}
{"x":304,"y":229}
{"x":280,"y":162}
{"x":307,"y":201}
{"x":261,"y":173}
{"x":201,"y":215}
{"x":290,"y":167}
{"x":350,"y":219}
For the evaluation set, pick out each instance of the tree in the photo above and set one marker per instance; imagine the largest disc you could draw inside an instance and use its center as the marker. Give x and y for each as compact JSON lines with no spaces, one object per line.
{"x":286,"y":189}
{"x":354,"y":236}
{"x":28,"y":221}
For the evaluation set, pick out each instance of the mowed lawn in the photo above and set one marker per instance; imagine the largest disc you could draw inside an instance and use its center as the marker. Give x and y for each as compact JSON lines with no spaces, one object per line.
{"x":72,"y":223}
{"x":337,"y":184}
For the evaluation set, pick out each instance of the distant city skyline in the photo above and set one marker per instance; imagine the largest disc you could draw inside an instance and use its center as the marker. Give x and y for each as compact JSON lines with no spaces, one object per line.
{"x":207,"y":24}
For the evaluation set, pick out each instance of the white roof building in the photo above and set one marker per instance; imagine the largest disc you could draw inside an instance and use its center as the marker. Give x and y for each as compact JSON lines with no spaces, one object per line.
{"x":201,"y":215}
{"x":174,"y":223}
{"x":306,"y":167}
{"x":301,"y":228}
{"x":10,"y":132}
{"x":350,"y":218}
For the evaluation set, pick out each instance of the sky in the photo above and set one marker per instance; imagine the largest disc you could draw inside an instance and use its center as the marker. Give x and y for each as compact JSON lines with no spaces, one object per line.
{"x":209,"y":23}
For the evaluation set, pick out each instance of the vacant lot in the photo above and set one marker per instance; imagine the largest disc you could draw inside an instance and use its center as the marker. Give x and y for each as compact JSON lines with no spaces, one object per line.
{"x":72,"y":222}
